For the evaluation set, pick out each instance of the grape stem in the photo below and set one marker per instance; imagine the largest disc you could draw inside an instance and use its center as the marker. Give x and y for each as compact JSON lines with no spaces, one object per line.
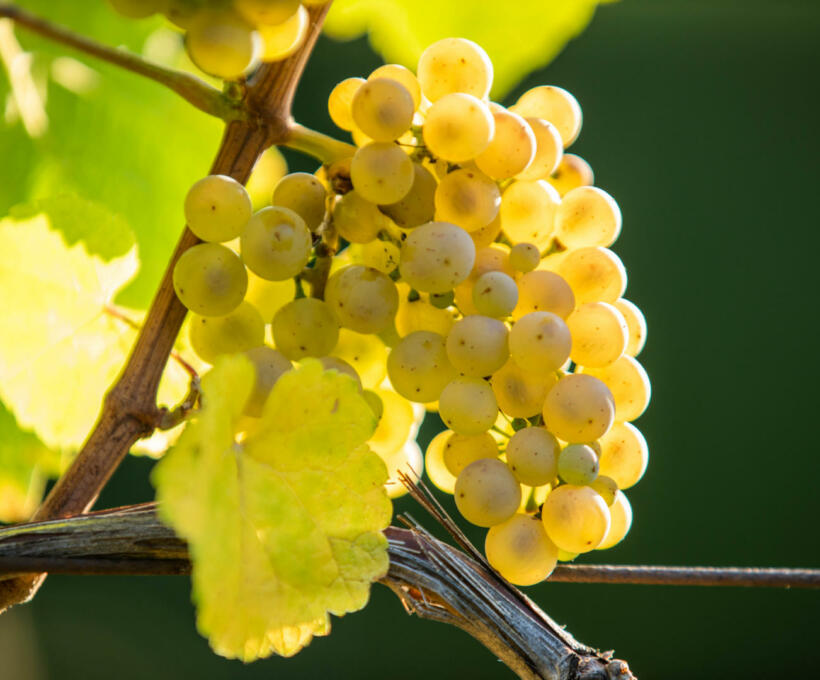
{"x":322,"y":147}
{"x":194,"y":90}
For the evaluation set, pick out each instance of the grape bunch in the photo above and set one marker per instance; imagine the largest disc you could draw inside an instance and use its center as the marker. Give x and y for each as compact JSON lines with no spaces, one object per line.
{"x":458,"y":262}
{"x":226,"y":38}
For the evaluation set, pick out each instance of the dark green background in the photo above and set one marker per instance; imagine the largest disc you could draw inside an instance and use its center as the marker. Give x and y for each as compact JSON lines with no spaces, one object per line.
{"x":701,"y":119}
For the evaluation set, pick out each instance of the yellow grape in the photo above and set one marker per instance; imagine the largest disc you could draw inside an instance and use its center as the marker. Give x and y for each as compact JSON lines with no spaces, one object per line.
{"x":221,"y":44}
{"x":382,"y":108}
{"x":629,"y":384}
{"x":270,"y":167}
{"x":418,"y":205}
{"x":595,"y":274}
{"x":578,"y":465}
{"x":362,"y":299}
{"x":366,"y":353}
{"x":332,"y":363}
{"x":607,"y":488}
{"x":468,"y":406}
{"x":512,"y":148}
{"x":576,"y":518}
{"x":486,"y":493}
{"x":437,"y":471}
{"x":381,"y":255}
{"x":468,"y":198}
{"x":495,"y":294}
{"x":599,"y":334}
{"x":555,"y":105}
{"x":374,"y":401}
{"x":540,"y":342}
{"x":528,"y":210}
{"x":520,"y":393}
{"x":520,"y":550}
{"x":532,"y":454}
{"x":340,"y":101}
{"x":477,"y":345}
{"x":418,"y":366}
{"x":458,"y":127}
{"x":282,"y":40}
{"x":548,"y":150}
{"x":381,"y":172}
{"x":210,"y":280}
{"x":524,"y":257}
{"x":395,"y":424}
{"x":269,"y":365}
{"x":454,"y":65}
{"x":305,"y":195}
{"x":436,"y":257}
{"x":240,"y":330}
{"x":402,"y":75}
{"x":269,"y":12}
{"x":357,"y":220}
{"x":580,"y":408}
{"x":532,"y":497}
{"x":588,"y":216}
{"x":420,"y":315}
{"x":484,"y":236}
{"x":269,"y":296}
{"x":275,"y":243}
{"x":216,"y":208}
{"x":572,"y":172}
{"x":621,"y":513}
{"x":409,"y":460}
{"x":635,"y":322}
{"x":305,"y":328}
{"x":460,"y":450}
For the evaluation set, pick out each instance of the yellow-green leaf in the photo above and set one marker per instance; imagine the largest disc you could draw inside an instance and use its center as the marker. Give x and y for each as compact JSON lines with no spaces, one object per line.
{"x":520,"y":36}
{"x":285,"y":527}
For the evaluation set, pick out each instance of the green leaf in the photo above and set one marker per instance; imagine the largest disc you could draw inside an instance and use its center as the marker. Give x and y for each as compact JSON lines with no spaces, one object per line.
{"x":520,"y":37}
{"x":284,"y":528}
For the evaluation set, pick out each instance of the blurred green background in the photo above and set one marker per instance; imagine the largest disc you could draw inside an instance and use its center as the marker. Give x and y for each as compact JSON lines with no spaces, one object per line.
{"x":701,"y":119}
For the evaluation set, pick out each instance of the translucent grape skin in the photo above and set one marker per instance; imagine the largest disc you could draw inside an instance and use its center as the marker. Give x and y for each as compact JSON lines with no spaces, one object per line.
{"x":621,"y":513}
{"x":269,"y":365}
{"x":486,"y":493}
{"x":460,"y":450}
{"x":454,"y":65}
{"x":381,"y":255}
{"x":436,"y":257}
{"x":578,"y":465}
{"x":362,"y":299}
{"x":607,"y":488}
{"x":520,"y":550}
{"x":528,"y":210}
{"x":636,"y":325}
{"x":381,"y":172}
{"x":216,"y":208}
{"x":356,"y":219}
{"x":595,"y":274}
{"x":241,"y":330}
{"x":540,"y":342}
{"x":477,"y":345}
{"x":468,"y":405}
{"x":458,"y":127}
{"x":599,"y":334}
{"x":512,"y":148}
{"x":588,"y":216}
{"x":532,"y":454}
{"x":576,"y":518}
{"x":282,"y":40}
{"x":437,"y":471}
{"x":467,"y":198}
{"x":418,"y":206}
{"x":572,"y":172}
{"x":418,"y":366}
{"x":340,"y":100}
{"x":210,"y":279}
{"x":524,"y":257}
{"x":548,"y":150}
{"x":520,"y":393}
{"x":579,"y":408}
{"x":629,"y":384}
{"x":305,"y":327}
{"x":395,"y":424}
{"x":366,"y":353}
{"x":275,"y":243}
{"x":403,"y":75}
{"x":305,"y":195}
{"x":420,"y":315}
{"x":265,"y":11}
{"x":495,"y":294}
{"x":332,"y":363}
{"x":220,"y":43}
{"x":382,"y":108}
{"x":543,"y":291}
{"x":624,"y":455}
{"x":555,"y":105}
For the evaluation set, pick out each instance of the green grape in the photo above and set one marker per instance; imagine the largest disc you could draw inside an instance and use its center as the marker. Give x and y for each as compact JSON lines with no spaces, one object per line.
{"x":269,"y":12}
{"x":587,"y":216}
{"x":540,"y":342}
{"x":520,"y":550}
{"x":221,"y":44}
{"x":366,"y":353}
{"x":483,"y":237}
{"x":635,"y":323}
{"x":624,"y":455}
{"x":572,"y":172}
{"x":418,"y":366}
{"x":402,"y":75}
{"x":595,"y":274}
{"x":578,"y":465}
{"x":381,"y":255}
{"x":555,"y":105}
{"x":305,"y":195}
{"x":532,"y":454}
{"x":382,"y":108}
{"x":458,"y":127}
{"x":216,"y":208}
{"x":420,"y":315}
{"x":362,"y":299}
{"x":381,"y":172}
{"x":543,"y":291}
{"x":524,"y":257}
{"x":374,"y":401}
{"x":454,"y":65}
{"x":486,"y":493}
{"x":460,"y":450}
{"x":495,"y":294}
{"x":579,"y":408}
{"x":528,"y":210}
{"x":269,"y":365}
{"x":356,"y":219}
{"x":512,"y":148}
{"x":477,"y":345}
{"x":241,"y":330}
{"x":621,"y":512}
{"x":210,"y":280}
{"x":607,"y":488}
{"x":468,"y":406}
{"x":395,"y":425}
{"x":599,"y":334}
{"x":437,"y":471}
{"x":269,"y":296}
{"x":340,"y":101}
{"x":418,"y":205}
{"x":548,"y":150}
{"x":629,"y":384}
{"x":275,"y":244}
{"x":576,"y":518}
{"x":137,"y":9}
{"x":520,"y":393}
{"x":279,"y":41}
{"x":467,"y":198}
{"x":436,"y":257}
{"x":305,"y":328}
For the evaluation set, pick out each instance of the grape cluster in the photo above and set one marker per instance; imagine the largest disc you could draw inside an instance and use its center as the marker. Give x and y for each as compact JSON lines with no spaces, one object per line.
{"x":468,"y":272}
{"x":226,"y":38}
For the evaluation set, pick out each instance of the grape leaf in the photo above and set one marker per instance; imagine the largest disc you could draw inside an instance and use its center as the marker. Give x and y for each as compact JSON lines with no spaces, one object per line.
{"x":284,"y":528}
{"x":520,"y":36}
